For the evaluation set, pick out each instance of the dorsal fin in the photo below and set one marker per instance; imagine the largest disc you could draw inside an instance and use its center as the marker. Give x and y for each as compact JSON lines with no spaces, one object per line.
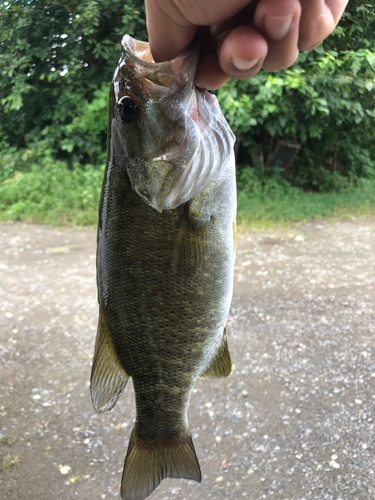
{"x":108,"y":377}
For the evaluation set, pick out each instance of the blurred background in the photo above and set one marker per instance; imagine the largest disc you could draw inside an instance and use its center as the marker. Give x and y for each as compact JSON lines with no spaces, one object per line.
{"x":305,"y":136}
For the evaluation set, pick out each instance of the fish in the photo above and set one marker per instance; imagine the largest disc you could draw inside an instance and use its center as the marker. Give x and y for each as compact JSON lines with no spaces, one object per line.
{"x":165,"y":258}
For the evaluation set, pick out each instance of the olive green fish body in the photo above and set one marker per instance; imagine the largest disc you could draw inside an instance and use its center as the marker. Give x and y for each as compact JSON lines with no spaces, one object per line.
{"x":165,"y":277}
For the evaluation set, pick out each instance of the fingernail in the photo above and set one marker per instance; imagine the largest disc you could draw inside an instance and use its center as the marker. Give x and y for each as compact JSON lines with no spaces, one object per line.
{"x":277,"y":26}
{"x":244,"y":64}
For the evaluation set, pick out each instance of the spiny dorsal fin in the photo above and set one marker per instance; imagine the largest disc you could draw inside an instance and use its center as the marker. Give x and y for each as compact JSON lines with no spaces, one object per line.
{"x":108,"y":377}
{"x":148,"y":463}
{"x":221,"y":365}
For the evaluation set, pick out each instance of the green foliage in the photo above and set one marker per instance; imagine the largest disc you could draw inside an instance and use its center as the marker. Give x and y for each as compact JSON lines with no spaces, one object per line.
{"x":326,"y":102}
{"x":356,"y":28}
{"x":52,"y":193}
{"x":55,"y":60}
{"x":56,"y":65}
{"x":256,"y":182}
{"x":265,"y":199}
{"x":87,"y":131}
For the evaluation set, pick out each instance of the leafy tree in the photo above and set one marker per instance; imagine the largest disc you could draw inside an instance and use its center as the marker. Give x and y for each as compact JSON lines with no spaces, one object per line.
{"x":57,"y":61}
{"x":56,"y":64}
{"x":326,"y":101}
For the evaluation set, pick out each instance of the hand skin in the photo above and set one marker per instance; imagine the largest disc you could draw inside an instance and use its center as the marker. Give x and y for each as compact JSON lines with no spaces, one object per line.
{"x":239,"y":37}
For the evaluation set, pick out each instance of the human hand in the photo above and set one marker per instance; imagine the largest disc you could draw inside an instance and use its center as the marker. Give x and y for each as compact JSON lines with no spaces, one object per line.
{"x":239,"y":37}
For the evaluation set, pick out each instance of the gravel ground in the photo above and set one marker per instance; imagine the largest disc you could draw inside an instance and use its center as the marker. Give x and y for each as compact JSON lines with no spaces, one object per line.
{"x":295,"y":420}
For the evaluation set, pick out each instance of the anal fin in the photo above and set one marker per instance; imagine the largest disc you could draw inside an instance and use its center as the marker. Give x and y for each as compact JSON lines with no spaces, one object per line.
{"x":221,"y":364}
{"x":108,"y":377}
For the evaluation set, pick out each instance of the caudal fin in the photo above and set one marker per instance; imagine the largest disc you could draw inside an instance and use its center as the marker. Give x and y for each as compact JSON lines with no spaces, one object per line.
{"x":146,"y":465}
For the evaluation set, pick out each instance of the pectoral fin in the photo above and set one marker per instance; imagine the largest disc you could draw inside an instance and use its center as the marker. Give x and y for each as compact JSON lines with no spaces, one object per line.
{"x":108,"y":377}
{"x":221,"y":364}
{"x":190,"y":241}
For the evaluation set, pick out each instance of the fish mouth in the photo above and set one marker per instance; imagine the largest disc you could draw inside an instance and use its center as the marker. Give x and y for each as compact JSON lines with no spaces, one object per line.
{"x":177,"y":73}
{"x":171,"y":85}
{"x":173,"y":80}
{"x":141,"y":50}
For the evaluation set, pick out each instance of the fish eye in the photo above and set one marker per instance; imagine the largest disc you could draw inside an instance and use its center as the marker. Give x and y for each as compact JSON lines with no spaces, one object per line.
{"x":128,"y":109}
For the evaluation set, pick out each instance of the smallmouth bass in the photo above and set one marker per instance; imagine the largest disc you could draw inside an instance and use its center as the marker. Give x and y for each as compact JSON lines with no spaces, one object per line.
{"x":165,"y":258}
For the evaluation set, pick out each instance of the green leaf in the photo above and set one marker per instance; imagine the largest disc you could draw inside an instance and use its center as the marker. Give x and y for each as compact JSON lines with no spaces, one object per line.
{"x":371,"y":59}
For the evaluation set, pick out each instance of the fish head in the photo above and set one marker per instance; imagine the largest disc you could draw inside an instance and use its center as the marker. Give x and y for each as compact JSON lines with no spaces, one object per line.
{"x":169,"y":135}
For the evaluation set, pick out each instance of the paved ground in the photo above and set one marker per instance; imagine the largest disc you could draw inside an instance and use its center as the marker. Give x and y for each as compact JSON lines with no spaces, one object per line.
{"x":295,"y":421}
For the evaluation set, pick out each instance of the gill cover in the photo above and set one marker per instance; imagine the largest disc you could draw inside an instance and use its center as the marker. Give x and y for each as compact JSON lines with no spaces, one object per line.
{"x":179,"y":142}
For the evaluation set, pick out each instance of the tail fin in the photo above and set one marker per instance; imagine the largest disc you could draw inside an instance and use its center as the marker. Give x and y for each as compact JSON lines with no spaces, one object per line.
{"x":146,"y":466}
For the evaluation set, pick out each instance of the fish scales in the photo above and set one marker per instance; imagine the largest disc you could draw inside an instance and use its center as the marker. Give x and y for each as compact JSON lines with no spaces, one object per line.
{"x":165,"y":260}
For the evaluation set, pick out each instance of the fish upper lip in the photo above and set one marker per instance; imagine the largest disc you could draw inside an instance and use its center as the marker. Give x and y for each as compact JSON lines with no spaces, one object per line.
{"x":133,"y":49}
{"x":178,"y":72}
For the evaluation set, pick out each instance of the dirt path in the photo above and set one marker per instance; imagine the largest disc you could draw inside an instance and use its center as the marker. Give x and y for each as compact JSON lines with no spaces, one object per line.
{"x":294,"y":422}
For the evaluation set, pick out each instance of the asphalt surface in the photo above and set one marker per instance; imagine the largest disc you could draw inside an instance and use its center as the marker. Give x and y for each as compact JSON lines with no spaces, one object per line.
{"x":294,"y":422}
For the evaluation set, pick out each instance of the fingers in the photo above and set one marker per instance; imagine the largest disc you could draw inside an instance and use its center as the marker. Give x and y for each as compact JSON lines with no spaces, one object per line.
{"x":275,"y":34}
{"x":242,"y":52}
{"x":238,"y":54}
{"x":319,"y":18}
{"x":267,"y":38}
{"x":172,"y":24}
{"x":279,"y":22}
{"x":244,"y":35}
{"x":209,"y":74}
